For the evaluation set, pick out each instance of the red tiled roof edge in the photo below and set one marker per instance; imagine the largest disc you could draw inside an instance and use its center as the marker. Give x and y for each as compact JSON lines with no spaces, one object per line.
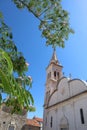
{"x":32,"y":122}
{"x":38,"y":119}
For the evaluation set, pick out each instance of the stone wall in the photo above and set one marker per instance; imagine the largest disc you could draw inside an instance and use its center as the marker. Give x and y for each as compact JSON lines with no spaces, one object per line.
{"x":9,"y":121}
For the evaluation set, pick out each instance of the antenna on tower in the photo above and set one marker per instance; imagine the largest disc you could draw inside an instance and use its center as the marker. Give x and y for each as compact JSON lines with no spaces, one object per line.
{"x":63,"y":73}
{"x":70,"y":76}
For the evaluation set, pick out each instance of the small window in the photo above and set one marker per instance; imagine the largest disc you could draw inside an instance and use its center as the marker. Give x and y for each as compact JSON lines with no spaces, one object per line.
{"x":82,"y":116}
{"x":51,"y":123}
{"x":11,"y":128}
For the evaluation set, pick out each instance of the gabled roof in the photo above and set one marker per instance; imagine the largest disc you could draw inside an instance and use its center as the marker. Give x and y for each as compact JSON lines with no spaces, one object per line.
{"x":32,"y":122}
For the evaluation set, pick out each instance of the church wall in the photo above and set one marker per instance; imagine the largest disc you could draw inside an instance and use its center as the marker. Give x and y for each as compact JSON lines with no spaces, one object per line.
{"x":61,"y":94}
{"x":61,"y":112}
{"x":81,"y":104}
{"x":51,"y":120}
{"x":53,"y":99}
{"x":77,"y":86}
{"x":63,"y":89}
{"x":69,"y":110}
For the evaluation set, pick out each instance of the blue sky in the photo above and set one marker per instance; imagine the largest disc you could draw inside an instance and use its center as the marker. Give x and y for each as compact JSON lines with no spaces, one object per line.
{"x":29,"y":41}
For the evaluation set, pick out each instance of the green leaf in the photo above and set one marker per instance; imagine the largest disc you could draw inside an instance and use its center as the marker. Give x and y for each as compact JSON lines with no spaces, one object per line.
{"x":1,"y":16}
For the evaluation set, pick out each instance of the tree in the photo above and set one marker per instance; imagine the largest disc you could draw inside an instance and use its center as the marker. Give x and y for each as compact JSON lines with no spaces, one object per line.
{"x":54,"y":24}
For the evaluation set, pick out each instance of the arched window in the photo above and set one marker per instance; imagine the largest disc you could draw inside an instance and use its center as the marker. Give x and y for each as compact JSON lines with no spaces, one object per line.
{"x":64,"y":124}
{"x":54,"y":74}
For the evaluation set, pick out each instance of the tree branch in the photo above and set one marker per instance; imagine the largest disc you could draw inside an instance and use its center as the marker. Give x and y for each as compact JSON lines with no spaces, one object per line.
{"x":45,"y":10}
{"x":30,"y":10}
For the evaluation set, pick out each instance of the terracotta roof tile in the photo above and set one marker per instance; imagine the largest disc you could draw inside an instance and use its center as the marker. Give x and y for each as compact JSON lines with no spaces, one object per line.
{"x":32,"y":122}
{"x":38,"y":119}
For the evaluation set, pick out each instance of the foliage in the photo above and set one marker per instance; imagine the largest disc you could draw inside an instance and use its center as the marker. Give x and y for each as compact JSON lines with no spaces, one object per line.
{"x":54,"y":20}
{"x":13,"y":80}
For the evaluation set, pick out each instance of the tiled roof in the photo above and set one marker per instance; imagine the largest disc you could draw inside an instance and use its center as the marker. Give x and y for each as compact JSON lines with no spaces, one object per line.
{"x":38,"y":119}
{"x":32,"y":122}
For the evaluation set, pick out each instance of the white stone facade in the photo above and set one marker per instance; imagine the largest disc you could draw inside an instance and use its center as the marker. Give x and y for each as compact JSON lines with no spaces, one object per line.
{"x":65,"y":106}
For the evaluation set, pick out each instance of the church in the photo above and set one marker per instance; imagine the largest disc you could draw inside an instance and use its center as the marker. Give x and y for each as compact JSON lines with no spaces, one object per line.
{"x":65,"y":105}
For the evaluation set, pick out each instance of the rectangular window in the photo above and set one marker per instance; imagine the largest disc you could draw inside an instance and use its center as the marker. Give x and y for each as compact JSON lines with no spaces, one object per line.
{"x":82,"y":116}
{"x":51,"y":123}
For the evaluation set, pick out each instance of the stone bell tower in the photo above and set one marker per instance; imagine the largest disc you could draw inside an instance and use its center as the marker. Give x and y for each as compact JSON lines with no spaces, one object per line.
{"x":54,"y":73}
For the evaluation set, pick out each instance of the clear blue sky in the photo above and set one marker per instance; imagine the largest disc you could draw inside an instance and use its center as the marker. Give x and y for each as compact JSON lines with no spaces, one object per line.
{"x":29,"y":41}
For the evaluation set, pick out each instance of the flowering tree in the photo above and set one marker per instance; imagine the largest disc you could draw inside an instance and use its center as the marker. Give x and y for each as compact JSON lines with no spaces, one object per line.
{"x":14,"y":82}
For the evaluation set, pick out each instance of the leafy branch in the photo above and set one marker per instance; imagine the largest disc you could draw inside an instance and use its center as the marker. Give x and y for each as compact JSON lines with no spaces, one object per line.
{"x":54,"y":20}
{"x":13,"y":80}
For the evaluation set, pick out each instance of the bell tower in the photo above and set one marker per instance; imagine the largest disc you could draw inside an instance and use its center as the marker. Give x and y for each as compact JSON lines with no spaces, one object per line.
{"x":54,"y":73}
